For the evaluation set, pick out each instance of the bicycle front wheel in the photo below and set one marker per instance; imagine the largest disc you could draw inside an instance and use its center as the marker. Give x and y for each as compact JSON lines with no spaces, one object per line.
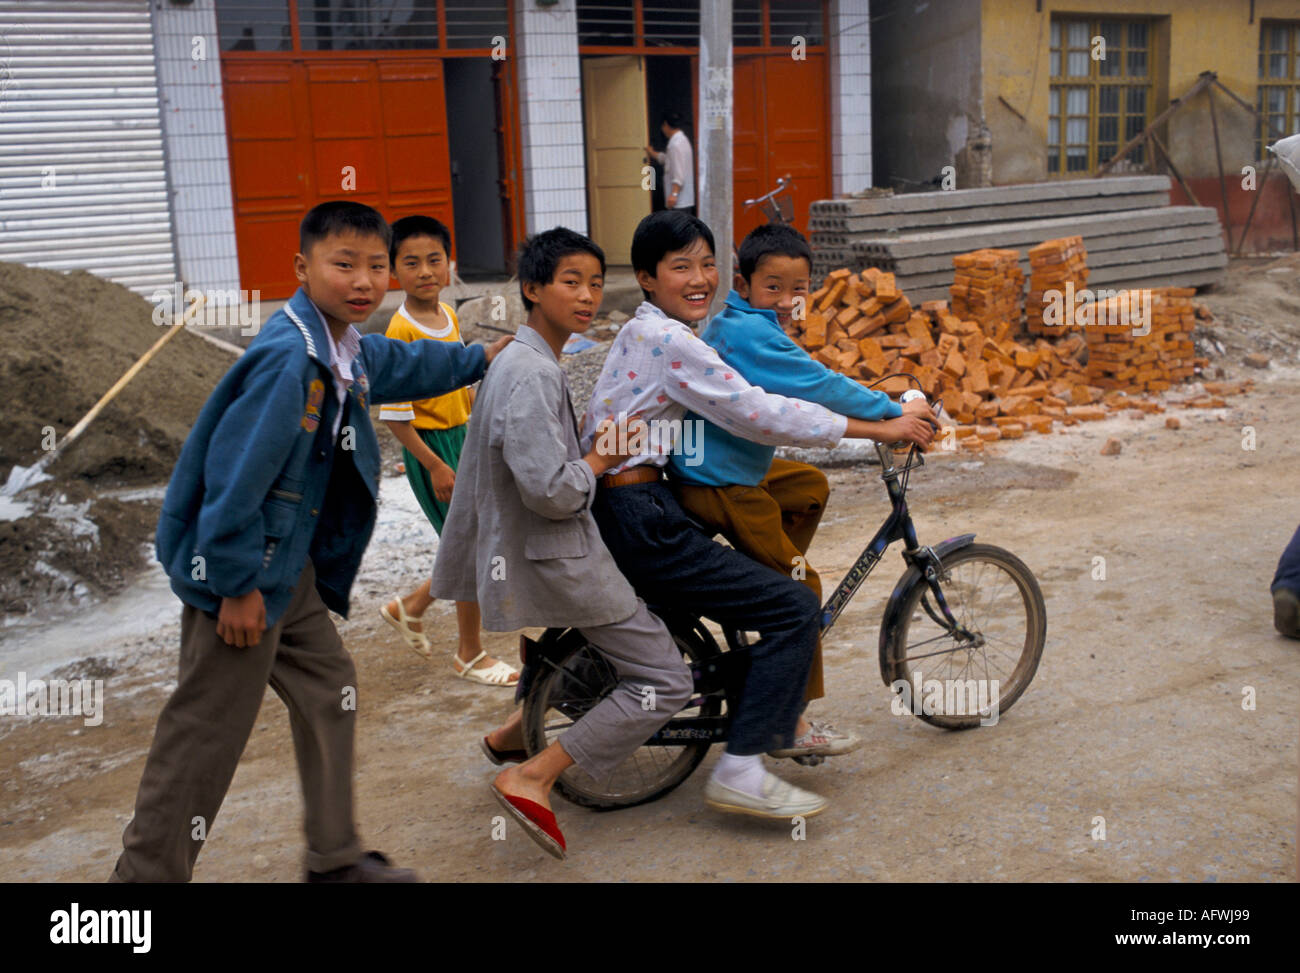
{"x":958,"y":678}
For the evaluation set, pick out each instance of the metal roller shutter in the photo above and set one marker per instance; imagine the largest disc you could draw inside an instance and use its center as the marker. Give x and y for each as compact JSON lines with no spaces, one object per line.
{"x":83,"y":183}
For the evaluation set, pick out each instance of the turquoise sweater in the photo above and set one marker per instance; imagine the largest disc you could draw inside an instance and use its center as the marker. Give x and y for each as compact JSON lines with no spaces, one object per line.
{"x":752,"y":342}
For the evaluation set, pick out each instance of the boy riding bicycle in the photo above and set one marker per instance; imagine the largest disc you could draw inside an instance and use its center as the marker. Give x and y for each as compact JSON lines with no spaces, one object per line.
{"x":766,"y":507}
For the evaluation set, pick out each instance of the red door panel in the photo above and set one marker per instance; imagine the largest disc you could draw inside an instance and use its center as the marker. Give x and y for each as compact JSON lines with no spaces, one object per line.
{"x":294,"y":125}
{"x":797,"y":134}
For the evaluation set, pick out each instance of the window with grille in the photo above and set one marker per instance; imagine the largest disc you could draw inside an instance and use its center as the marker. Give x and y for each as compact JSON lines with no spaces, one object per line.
{"x":671,"y":23}
{"x":607,"y":22}
{"x":367,"y":25}
{"x":676,"y":23}
{"x":475,"y":23}
{"x":1279,"y":82}
{"x":254,"y":25}
{"x":788,"y":19}
{"x":1100,"y":92}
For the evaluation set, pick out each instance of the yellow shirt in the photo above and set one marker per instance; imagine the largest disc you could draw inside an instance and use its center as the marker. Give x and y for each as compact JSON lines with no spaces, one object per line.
{"x":440,"y":412}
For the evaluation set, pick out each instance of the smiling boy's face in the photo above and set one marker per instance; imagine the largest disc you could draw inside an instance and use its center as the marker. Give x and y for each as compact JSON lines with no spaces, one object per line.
{"x":777,"y":284}
{"x":684,"y":282}
{"x":345,"y":275}
{"x":422,"y":268}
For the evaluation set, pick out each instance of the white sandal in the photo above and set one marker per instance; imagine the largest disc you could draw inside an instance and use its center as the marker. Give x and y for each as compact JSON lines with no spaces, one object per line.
{"x":416,"y":640}
{"x":497,"y":674}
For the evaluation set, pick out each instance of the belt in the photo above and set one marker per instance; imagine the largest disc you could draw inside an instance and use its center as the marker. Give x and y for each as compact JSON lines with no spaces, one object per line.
{"x":645,"y":473}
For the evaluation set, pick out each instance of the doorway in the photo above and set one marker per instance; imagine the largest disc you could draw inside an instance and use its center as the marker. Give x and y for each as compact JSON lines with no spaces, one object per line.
{"x":669,"y":84}
{"x":475,"y":150}
{"x":614,"y":109}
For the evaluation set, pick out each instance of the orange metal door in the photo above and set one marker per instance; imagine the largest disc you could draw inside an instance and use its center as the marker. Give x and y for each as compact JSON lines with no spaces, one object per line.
{"x":269,"y":174}
{"x":748,"y":143}
{"x":798,"y":129}
{"x":304,"y":130}
{"x":780,"y":126}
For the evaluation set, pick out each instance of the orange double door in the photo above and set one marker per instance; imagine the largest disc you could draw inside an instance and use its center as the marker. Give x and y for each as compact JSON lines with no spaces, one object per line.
{"x":305,"y":130}
{"x":781,"y":126}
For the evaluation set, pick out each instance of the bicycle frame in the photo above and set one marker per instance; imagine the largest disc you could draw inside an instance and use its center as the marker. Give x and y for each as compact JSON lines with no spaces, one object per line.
{"x":724,"y":673}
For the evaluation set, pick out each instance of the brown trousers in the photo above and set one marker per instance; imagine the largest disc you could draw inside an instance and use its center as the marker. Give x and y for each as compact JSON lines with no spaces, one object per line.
{"x":773,"y":523}
{"x":206,"y":723}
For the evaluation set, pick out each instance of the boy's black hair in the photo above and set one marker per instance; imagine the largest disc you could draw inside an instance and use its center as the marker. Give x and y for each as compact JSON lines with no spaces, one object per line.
{"x":672,"y":116}
{"x":409,"y":226}
{"x":341,"y":216}
{"x":772,"y":238}
{"x":541,"y":254}
{"x":664,"y":232}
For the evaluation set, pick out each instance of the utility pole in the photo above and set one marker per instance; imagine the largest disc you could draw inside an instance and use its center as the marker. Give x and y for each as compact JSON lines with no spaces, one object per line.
{"x":714,"y":196}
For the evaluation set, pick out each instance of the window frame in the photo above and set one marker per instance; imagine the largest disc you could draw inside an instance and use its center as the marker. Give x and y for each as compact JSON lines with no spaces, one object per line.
{"x":1059,"y":82}
{"x":1289,"y":84}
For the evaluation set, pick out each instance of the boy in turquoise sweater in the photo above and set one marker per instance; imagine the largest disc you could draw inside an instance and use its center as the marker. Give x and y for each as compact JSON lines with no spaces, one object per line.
{"x":766,"y":507}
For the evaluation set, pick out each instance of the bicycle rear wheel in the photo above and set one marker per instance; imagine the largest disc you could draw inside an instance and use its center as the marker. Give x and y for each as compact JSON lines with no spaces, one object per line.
{"x":988,"y":663}
{"x":563,"y":693}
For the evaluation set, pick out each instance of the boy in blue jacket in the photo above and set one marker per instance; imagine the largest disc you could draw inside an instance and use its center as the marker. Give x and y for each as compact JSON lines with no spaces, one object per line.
{"x":263,"y":526}
{"x":766,"y":507}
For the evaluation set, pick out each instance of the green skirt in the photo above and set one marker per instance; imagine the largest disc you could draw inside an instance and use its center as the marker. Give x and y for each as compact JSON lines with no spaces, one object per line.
{"x":446,"y":445}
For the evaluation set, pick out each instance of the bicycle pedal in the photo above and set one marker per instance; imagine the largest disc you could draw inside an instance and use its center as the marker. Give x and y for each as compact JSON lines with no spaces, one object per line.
{"x":810,"y":759}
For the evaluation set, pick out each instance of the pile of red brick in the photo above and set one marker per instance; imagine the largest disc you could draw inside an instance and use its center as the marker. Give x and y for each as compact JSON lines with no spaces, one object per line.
{"x":1120,"y":359}
{"x":1054,"y":266}
{"x":991,"y":383}
{"x":988,"y":286}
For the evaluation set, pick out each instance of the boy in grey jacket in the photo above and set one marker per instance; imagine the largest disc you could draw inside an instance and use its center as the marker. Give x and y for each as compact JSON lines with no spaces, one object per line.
{"x":527,"y":548}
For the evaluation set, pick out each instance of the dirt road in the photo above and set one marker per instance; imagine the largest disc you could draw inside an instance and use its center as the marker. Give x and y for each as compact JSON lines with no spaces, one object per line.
{"x":1136,"y":714}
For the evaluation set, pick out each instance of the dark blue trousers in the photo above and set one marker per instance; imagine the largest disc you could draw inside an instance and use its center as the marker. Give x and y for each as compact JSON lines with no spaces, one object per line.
{"x":1288,"y":568}
{"x":671,"y":562}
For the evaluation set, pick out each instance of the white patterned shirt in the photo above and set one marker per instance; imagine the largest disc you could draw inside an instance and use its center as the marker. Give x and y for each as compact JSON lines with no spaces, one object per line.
{"x":659,"y":368}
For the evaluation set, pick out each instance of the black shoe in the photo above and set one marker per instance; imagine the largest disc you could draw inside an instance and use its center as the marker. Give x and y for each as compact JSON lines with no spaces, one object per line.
{"x":1286,"y":612}
{"x":372,"y":868}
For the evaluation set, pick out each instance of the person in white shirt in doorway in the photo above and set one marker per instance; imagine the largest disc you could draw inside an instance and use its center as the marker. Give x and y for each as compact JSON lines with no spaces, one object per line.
{"x":679,"y":163}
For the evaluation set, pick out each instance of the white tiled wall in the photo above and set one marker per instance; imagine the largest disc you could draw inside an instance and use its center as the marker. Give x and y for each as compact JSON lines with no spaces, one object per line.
{"x":850,"y":54}
{"x":194,"y":135}
{"x":550,"y":107}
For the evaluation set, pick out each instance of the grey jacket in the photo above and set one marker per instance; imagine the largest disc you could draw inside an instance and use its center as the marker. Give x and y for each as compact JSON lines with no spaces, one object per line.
{"x":519,"y":537}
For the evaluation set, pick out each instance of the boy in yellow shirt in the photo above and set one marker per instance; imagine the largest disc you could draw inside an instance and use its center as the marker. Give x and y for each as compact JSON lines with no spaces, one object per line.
{"x":432,"y":434}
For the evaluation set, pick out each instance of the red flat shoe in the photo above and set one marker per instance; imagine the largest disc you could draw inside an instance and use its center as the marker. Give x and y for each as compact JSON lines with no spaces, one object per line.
{"x":502,"y":757}
{"x":537,"y":821}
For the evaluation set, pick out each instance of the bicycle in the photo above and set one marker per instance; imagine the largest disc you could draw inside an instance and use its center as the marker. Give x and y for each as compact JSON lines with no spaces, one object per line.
{"x":777,"y":205}
{"x":935,"y":599}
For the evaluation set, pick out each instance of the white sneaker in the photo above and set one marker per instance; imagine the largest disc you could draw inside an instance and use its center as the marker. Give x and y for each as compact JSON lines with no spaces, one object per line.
{"x":822,"y":740}
{"x":778,"y":799}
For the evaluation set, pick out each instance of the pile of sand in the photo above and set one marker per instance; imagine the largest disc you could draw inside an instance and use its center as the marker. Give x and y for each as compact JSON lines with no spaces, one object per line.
{"x":64,"y":340}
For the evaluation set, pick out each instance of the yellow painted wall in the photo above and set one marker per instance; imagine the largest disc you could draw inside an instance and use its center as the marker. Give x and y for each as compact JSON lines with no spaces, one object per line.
{"x":1192,"y":36}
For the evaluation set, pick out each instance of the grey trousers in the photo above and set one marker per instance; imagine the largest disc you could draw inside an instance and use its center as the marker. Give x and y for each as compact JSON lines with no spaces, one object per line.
{"x":207,"y":721}
{"x":645,"y":658}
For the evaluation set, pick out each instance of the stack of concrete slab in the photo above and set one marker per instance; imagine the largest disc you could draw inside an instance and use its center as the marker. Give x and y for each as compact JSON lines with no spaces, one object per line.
{"x":1134,"y":238}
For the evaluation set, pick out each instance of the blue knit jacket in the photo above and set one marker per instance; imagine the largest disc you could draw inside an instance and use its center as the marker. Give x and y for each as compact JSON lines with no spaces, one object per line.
{"x":751,"y":341}
{"x":260,"y":485}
